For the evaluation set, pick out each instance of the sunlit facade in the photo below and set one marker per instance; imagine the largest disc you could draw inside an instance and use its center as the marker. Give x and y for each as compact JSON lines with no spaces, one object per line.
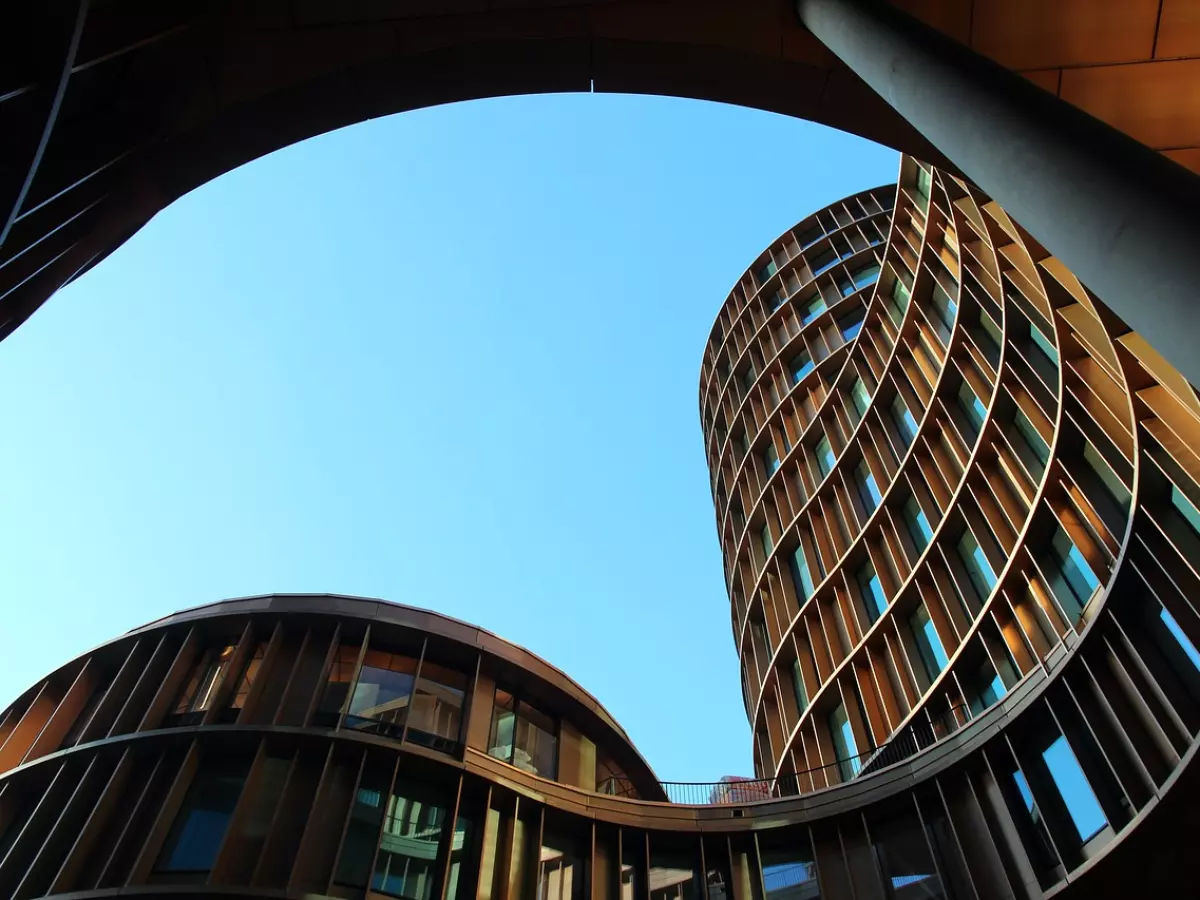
{"x":957,"y":503}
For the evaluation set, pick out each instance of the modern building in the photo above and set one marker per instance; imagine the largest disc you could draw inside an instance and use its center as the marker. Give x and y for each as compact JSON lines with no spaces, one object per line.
{"x":957,"y":500}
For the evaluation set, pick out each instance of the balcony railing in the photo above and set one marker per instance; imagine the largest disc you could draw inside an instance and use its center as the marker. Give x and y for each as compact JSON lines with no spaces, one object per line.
{"x":918,"y":735}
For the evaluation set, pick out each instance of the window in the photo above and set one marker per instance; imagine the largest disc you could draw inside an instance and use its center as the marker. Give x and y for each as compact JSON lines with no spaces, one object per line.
{"x":770,"y":460}
{"x":874,"y":600}
{"x":823,"y":261}
{"x":523,"y":736}
{"x":765,"y":273}
{"x":979,"y":570}
{"x":813,"y":309}
{"x":1112,"y":484}
{"x":362,"y":830}
{"x":868,"y":490}
{"x":929,"y":645}
{"x":1073,"y":787}
{"x":561,"y":869}
{"x":904,"y":420}
{"x":924,"y":182}
{"x":748,"y":377}
{"x":1176,"y":632}
{"x":1044,"y":344}
{"x":918,"y":525}
{"x":825,"y":457}
{"x":1070,"y":576}
{"x":767,"y":544}
{"x":437,"y":706}
{"x":1029,"y":444}
{"x":249,"y":672}
{"x":860,"y":396}
{"x":207,"y":676}
{"x":945,"y":310}
{"x":811,"y":236}
{"x":777,"y":300}
{"x":989,"y":337}
{"x":382,"y":694}
{"x":989,"y":688}
{"x":789,"y":870}
{"x":200,"y":825}
{"x":801,"y":365}
{"x":759,"y":630}
{"x":406,"y":864}
{"x":972,"y":408}
{"x":898,"y":301}
{"x":865,"y":276}
{"x":1186,"y":508}
{"x":844,"y":747}
{"x":801,"y":576}
{"x":798,"y":687}
{"x":850,"y":325}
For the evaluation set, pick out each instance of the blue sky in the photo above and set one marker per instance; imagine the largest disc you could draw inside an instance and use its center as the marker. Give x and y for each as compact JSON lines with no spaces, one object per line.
{"x":448,"y":358}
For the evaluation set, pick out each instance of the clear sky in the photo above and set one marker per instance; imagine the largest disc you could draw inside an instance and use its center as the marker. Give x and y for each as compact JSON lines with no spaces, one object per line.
{"x":448,"y":358}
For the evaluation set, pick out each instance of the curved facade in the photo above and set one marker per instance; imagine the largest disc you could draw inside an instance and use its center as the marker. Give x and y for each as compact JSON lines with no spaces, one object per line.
{"x":958,"y":504}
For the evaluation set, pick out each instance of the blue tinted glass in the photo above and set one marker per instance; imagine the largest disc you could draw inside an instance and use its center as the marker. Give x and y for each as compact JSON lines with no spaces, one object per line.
{"x":869,"y":489}
{"x":971,"y":405}
{"x":814,"y":309}
{"x":1188,"y":647}
{"x":904,"y":419}
{"x":1186,"y":509}
{"x":825,"y":457}
{"x":801,"y":576}
{"x":865,"y":276}
{"x":1075,"y":571}
{"x":929,"y":645}
{"x":850,"y":329}
{"x":918,"y":525}
{"x":770,"y":460}
{"x":1073,"y":785}
{"x":801,"y":366}
{"x":1023,"y":787}
{"x":860,"y":396}
{"x":976,"y":562}
{"x":767,"y":544}
{"x":844,"y":747}
{"x":872,"y":590}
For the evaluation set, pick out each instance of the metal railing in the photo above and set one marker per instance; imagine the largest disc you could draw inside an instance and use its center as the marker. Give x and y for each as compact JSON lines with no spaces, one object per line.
{"x":918,"y":735}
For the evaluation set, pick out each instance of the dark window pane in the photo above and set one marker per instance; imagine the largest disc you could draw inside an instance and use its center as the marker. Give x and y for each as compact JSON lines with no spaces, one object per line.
{"x":200,"y":825}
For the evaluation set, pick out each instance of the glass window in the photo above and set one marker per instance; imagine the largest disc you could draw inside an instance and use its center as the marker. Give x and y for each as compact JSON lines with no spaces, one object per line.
{"x":406,"y":865}
{"x":362,"y":831}
{"x":765,"y":273}
{"x":437,"y":707}
{"x":868,"y":490}
{"x":777,"y":300}
{"x":989,"y":688}
{"x":1029,"y":444}
{"x":1074,"y":788}
{"x":770,"y":459}
{"x":904,"y":419}
{"x":898,"y":301}
{"x":1176,"y":632}
{"x":924,"y":182}
{"x":1071,"y":578}
{"x":207,"y":676}
{"x":972,"y":407}
{"x":844,"y":747}
{"x":249,"y":672}
{"x":523,"y":736}
{"x":801,"y":576}
{"x":1115,"y":487}
{"x":337,"y":686}
{"x":767,"y":544}
{"x":918,"y":525}
{"x":813,"y":309}
{"x":990,"y":338}
{"x":979,"y":570}
{"x":762,"y":637}
{"x":801,"y":365}
{"x":929,"y":645}
{"x":561,"y":870}
{"x":825,"y":457}
{"x":382,"y":693}
{"x":946,"y":310}
{"x":798,"y":686}
{"x":851,"y":324}
{"x":823,"y":261}
{"x":1186,"y":508}
{"x":1043,"y":343}
{"x":788,"y":869}
{"x":748,"y":377}
{"x":861,"y":396}
{"x":811,"y":236}
{"x":874,"y":600}
{"x":200,"y":825}
{"x":865,"y":276}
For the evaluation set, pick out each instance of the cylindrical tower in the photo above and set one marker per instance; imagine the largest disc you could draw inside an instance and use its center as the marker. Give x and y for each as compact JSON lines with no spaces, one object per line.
{"x":926,"y":455}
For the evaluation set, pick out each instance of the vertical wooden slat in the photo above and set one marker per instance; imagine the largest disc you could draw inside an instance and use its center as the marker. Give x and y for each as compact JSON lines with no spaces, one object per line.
{"x":173,"y":683}
{"x":114,"y":792}
{"x":171,"y":803}
{"x":144,"y":689}
{"x":64,"y":714}
{"x":249,"y":712}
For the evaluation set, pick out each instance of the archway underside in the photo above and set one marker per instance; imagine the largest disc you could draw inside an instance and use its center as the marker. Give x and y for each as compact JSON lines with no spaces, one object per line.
{"x":114,"y":108}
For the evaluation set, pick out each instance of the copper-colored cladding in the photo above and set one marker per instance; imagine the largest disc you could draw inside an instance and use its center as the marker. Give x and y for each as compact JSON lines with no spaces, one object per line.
{"x":112,"y":110}
{"x":1049,"y":450}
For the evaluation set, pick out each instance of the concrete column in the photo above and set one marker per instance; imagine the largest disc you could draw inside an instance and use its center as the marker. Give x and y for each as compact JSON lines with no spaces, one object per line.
{"x":1122,"y":217}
